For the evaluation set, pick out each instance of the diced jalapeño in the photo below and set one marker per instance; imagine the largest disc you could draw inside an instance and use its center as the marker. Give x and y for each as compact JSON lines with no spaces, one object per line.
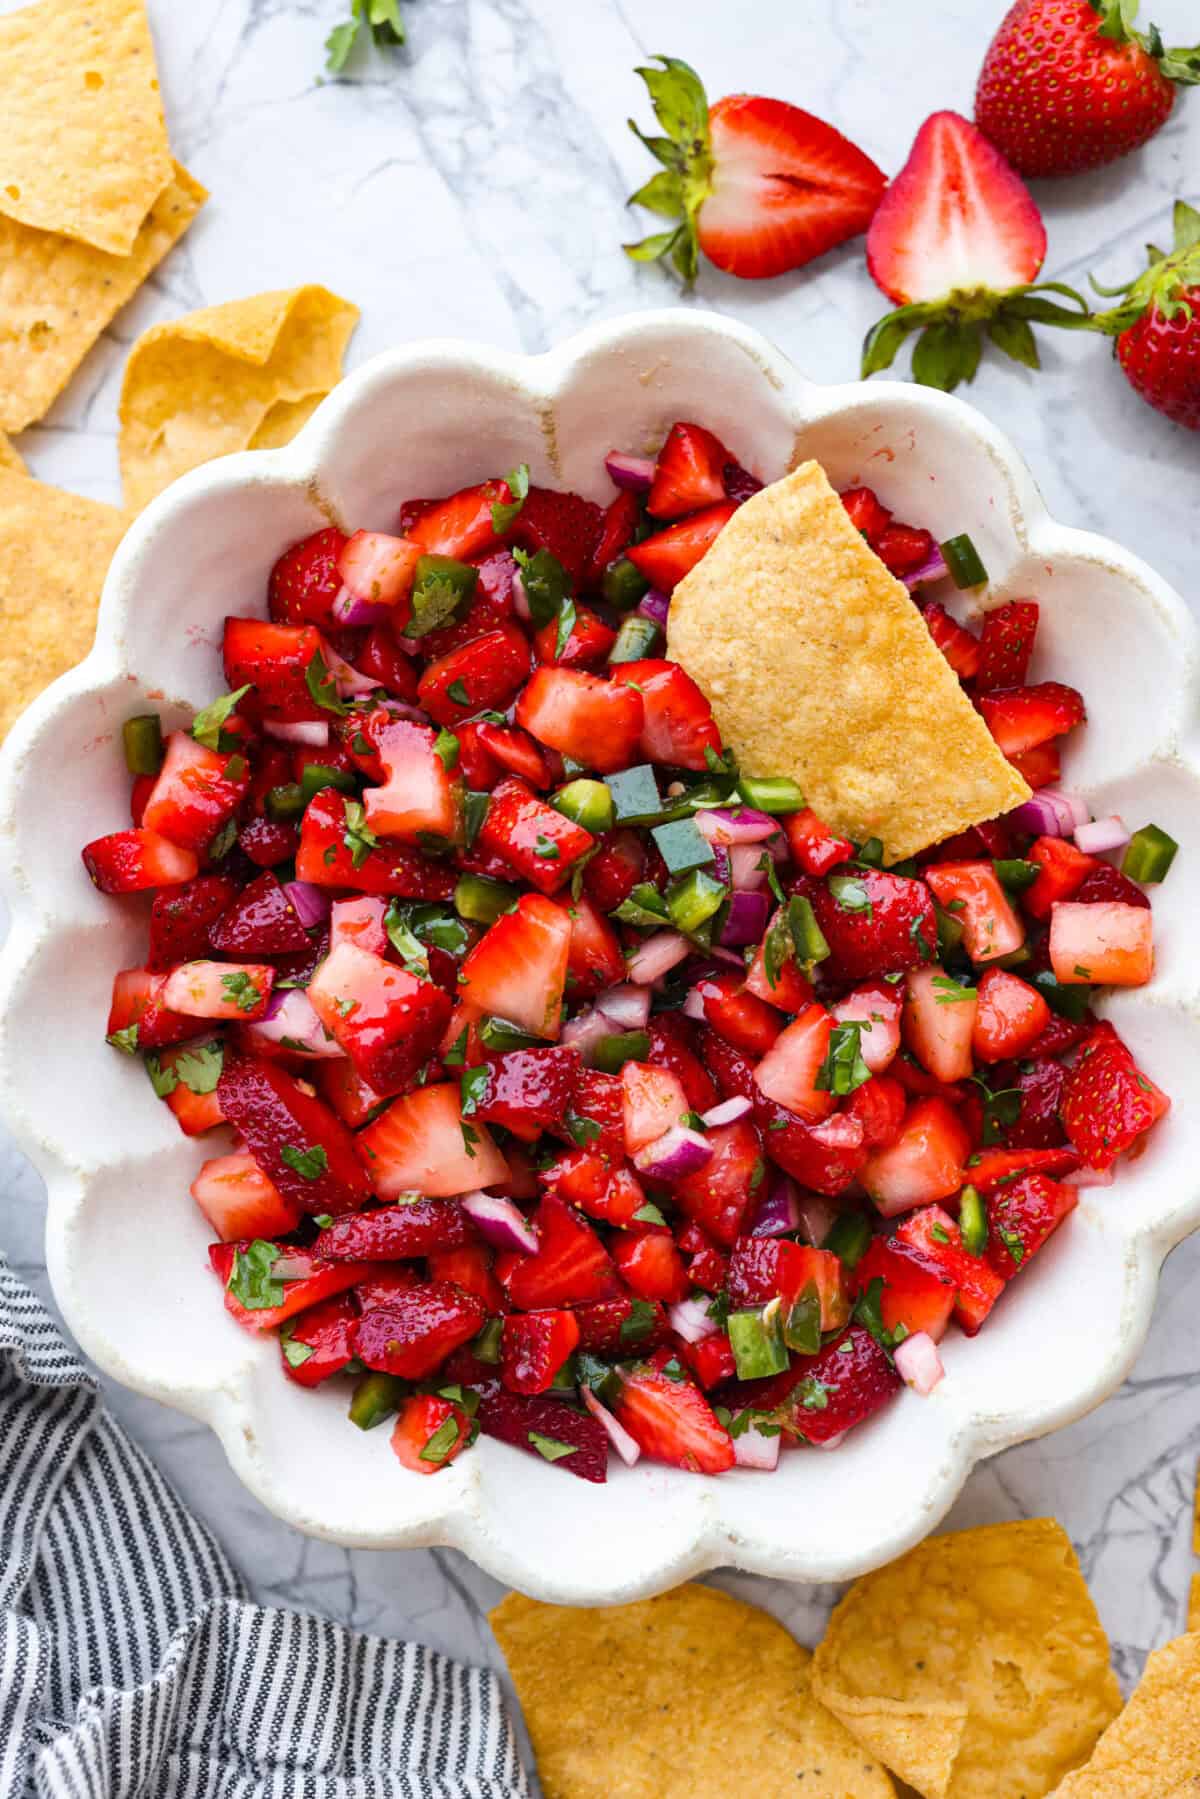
{"x":1148,"y":855}
{"x":973,"y":1221}
{"x":586,"y":803}
{"x":693,"y":900}
{"x":624,"y":585}
{"x":770,"y":793}
{"x":318,"y":774}
{"x":483,"y":900}
{"x":143,"y":741}
{"x":757,"y":1342}
{"x":635,"y":796}
{"x":635,"y":639}
{"x":611,"y":1053}
{"x":486,"y":1346}
{"x":849,"y":1238}
{"x":284,"y":803}
{"x":802,"y":1326}
{"x":964,"y":561}
{"x":497,"y":1034}
{"x":683,"y":846}
{"x":375,"y":1397}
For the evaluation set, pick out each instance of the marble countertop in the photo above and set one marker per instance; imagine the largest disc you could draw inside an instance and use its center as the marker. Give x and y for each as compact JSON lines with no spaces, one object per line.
{"x":473,"y":185}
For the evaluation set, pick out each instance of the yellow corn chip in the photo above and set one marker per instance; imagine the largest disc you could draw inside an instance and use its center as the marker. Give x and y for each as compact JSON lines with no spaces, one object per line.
{"x":283,"y":421}
{"x":9,"y":457}
{"x":693,"y":1695}
{"x":208,"y":384}
{"x":1193,"y":1613}
{"x":819,"y":666}
{"x":55,"y":549}
{"x":83,"y":147}
{"x":57,"y":295}
{"x":1196,"y":1515}
{"x":975,"y":1667}
{"x":1152,"y":1751}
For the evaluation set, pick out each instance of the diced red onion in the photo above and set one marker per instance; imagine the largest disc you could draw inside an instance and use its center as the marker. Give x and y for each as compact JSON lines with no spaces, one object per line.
{"x":290,"y":1014}
{"x":520,"y":598}
{"x":832,"y":1442}
{"x":1101,"y":835}
{"x":377,"y":567}
{"x":627,"y":1005}
{"x":725,"y":824}
{"x":932,"y":569}
{"x":918,"y":1363}
{"x":746,"y":870}
{"x":657,"y":957}
{"x":1051,"y":812}
{"x":349,"y":610}
{"x":585,"y":1030}
{"x":1088,"y":1177}
{"x":751,"y":1449}
{"x":677,"y":1152}
{"x":348,"y":681}
{"x":693,"y":1006}
{"x":746,"y":919}
{"x":291,"y":1266}
{"x":778,"y":1210}
{"x":777,"y":848}
{"x":311,"y":904}
{"x":655,"y":606}
{"x":499,"y":1222}
{"x":720,"y":867}
{"x":728,"y":1111}
{"x":618,"y":1436}
{"x":307,"y":733}
{"x":690,"y":1320}
{"x":634,"y":473}
{"x":817,"y":1217}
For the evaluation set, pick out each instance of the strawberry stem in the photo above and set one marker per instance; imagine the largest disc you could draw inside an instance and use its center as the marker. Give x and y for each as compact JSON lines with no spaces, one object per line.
{"x":1181,"y":64}
{"x":952,"y":330}
{"x":1164,"y":285}
{"x":682,"y":185}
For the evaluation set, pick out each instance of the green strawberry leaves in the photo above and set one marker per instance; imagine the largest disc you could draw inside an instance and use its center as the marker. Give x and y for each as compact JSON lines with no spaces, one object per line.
{"x":953,"y":330}
{"x":1117,"y":18}
{"x":681,"y":187}
{"x":1164,"y":284}
{"x":381,"y":17}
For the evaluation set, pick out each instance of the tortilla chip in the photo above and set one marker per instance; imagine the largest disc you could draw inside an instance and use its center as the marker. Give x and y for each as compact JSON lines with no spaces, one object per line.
{"x":976,"y":1666}
{"x":694,"y":1695}
{"x":1193,"y":1611}
{"x":819,"y":666}
{"x":55,"y":549}
{"x":1152,"y":1751}
{"x":9,"y":457}
{"x":283,"y":421}
{"x":84,"y":147}
{"x":206,"y":385}
{"x":1196,"y":1515}
{"x":57,"y":295}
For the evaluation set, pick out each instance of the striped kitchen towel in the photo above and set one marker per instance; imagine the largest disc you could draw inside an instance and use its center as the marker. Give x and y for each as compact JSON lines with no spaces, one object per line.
{"x":132,"y":1663}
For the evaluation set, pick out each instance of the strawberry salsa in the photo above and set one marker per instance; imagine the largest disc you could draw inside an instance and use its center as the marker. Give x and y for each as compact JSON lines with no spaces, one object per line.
{"x":586,"y":1090}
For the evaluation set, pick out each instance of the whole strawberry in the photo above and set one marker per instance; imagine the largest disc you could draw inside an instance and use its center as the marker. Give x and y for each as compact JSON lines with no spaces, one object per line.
{"x":1157,"y":325}
{"x":1069,"y":84}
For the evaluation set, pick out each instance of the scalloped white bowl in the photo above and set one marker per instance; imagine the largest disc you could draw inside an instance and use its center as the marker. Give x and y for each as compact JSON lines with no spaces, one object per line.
{"x":126,"y":1245}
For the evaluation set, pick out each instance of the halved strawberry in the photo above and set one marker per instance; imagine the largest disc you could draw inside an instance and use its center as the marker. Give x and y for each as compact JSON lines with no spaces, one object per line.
{"x":132,"y":861}
{"x":1007,"y":645}
{"x":306,"y":580}
{"x":1021,"y":718}
{"x":470,"y":1267}
{"x":393,"y":1233}
{"x":181,"y":918}
{"x":972,"y":891}
{"x":789,"y":1071}
{"x":483,"y":675}
{"x":571,"y":1266}
{"x":1107,"y":1102}
{"x":933,"y":1237}
{"x":1022,"y":1214}
{"x":533,"y":1347}
{"x":378,"y":569}
{"x":416,"y":796}
{"x":460,"y":525}
{"x":741,"y":1018}
{"x":139,"y":1017}
{"x":1063,"y":871}
{"x":689,"y":472}
{"x":388,"y":1021}
{"x":339,"y":849}
{"x":1106,"y":943}
{"x":197,"y":791}
{"x":318,"y":1343}
{"x":527,"y":1090}
{"x":1011,"y":1016}
{"x":654,"y":1102}
{"x":305,"y":1151}
{"x":960,"y":647}
{"x":518,"y":969}
{"x":274,"y":660}
{"x":240,"y":1202}
{"x":594,"y":721}
{"x":677,"y":727}
{"x":565,"y":524}
{"x":671,"y":1421}
{"x":236,"y":990}
{"x":669,"y":555}
{"x":421,"y":1144}
{"x":813,"y":845}
{"x":262,"y":921}
{"x":939,"y":1017}
{"x":558,"y":1433}
{"x":516,"y":751}
{"x":874,"y":922}
{"x":248,"y":1273}
{"x":925,"y":1162}
{"x":917,"y":1297}
{"x":537,"y":842}
{"x":413,"y":1334}
{"x":429,"y":1432}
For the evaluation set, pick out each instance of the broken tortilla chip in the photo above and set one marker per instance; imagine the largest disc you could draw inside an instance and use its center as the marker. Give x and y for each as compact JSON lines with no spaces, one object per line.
{"x":57,"y":295}
{"x":9,"y":457}
{"x":84,"y":149}
{"x":1152,"y":1751}
{"x":1193,"y":1611}
{"x":976,"y":1666}
{"x":55,"y":548}
{"x":693,"y":1695}
{"x":208,"y":384}
{"x":819,"y":666}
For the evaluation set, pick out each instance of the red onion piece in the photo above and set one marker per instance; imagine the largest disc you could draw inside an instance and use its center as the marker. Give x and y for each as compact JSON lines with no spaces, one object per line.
{"x":720,"y":868}
{"x":290,"y":1015}
{"x":746,"y":870}
{"x":690,"y":1320}
{"x":657,"y":957}
{"x":728,"y":1111}
{"x":831,"y":1442}
{"x":778,"y":1210}
{"x":291,"y":1267}
{"x":724,"y":824}
{"x":520,"y":598}
{"x":627,"y":1006}
{"x":618,"y":1436}
{"x":1101,"y":835}
{"x":1051,"y":812}
{"x":693,"y":1006}
{"x":311,"y":903}
{"x":309,"y":734}
{"x":377,"y":567}
{"x":1088,"y":1177}
{"x":918,"y":1363}
{"x":817,"y":1217}
{"x":655,"y":606}
{"x":751,"y":1449}
{"x":932,"y":569}
{"x":499,"y":1222}
{"x":585,"y":1031}
{"x":349,"y":610}
{"x":348,"y":681}
{"x":746,"y":920}
{"x":677,"y":1152}
{"x":634,"y":473}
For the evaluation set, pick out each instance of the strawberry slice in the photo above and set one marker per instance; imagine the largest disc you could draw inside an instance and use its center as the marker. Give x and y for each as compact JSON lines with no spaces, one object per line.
{"x":318,"y":1344}
{"x":527,"y":1090}
{"x":132,"y":861}
{"x":673,"y":1046}
{"x":689,"y":472}
{"x":393,"y":1233}
{"x":878,"y":1106}
{"x":671,"y":1421}
{"x":414,"y":1333}
{"x":616,"y":868}
{"x":934,"y":1239}
{"x":874,"y":922}
{"x":1021,"y":1215}
{"x":669,"y":555}
{"x":416,"y":795}
{"x":789,"y":1071}
{"x":621,"y":1327}
{"x":813,"y":845}
{"x":991,"y":928}
{"x":960,"y":647}
{"x":181,"y":919}
{"x":654,"y":1101}
{"x":926,"y":1161}
{"x":234,"y":990}
{"x":587,"y":645}
{"x":535,"y":841}
{"x":825,"y":1157}
{"x":267,"y":1283}
{"x":595,"y":959}
{"x":388,"y":1020}
{"x":566,"y":525}
{"x":240,"y":1202}
{"x":139,"y":1017}
{"x":485,"y":674}
{"x":571,"y":1266}
{"x":876,"y":1007}
{"x":650,"y":1265}
{"x":360,"y":922}
{"x":719,"y":1195}
{"x":822,"y":1396}
{"x":677,"y":724}
{"x":599,"y":1101}
{"x":460,"y":525}
{"x":306,"y":580}
{"x":1041,"y":767}
{"x":469,"y":1267}
{"x":558,"y":1433}
{"x":1006,"y":645}
{"x":343,"y":1088}
{"x":939,"y":1018}
{"x":596,"y":722}
{"x":303,"y":1149}
{"x":339,"y":849}
{"x":197,"y":791}
{"x":1107,"y":1102}
{"x":1107,"y":942}
{"x":711,"y":1360}
{"x":622,"y":521}
{"x":993,"y":1168}
{"x":274,"y":660}
{"x":429,"y":1432}
{"x":421,"y":1144}
{"x":912,"y":1296}
{"x":740,"y":1017}
{"x":533,"y":1348}
{"x":1010,"y":1018}
{"x":518,"y":969}
{"x":766,"y":1268}
{"x":1022,"y":718}
{"x":262,"y":921}
{"x":1063,"y":871}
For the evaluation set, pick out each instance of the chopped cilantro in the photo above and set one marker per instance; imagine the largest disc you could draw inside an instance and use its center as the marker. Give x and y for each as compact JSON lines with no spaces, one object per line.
{"x":470,"y":1138}
{"x":648,"y":1214}
{"x":505,"y":511}
{"x":813,"y":1393}
{"x":382,"y":18}
{"x":200,"y":1069}
{"x":546,"y":584}
{"x":163,"y":1080}
{"x":359,"y":838}
{"x":473,"y":1086}
{"x":949,"y":992}
{"x":458,"y":693}
{"x":445,"y":748}
{"x":1012,"y":1242}
{"x":851,"y":894}
{"x":843,"y":1069}
{"x":322,"y":686}
{"x":550,"y":1447}
{"x":295,"y":1354}
{"x":443,"y":1440}
{"x":566,"y":624}
{"x":206,"y":726}
{"x":224,"y":841}
{"x":310,"y":1164}
{"x":546,"y":848}
{"x":582,"y":1130}
{"x":241,"y":990}
{"x":456,"y":1055}
{"x":251,"y":1277}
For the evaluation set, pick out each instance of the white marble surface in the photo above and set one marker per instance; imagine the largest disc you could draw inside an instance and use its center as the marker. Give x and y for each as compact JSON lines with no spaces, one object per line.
{"x":473,"y":185}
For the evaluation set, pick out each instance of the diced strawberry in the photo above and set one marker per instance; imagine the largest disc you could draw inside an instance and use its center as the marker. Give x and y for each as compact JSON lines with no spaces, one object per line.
{"x":516,"y":751}
{"x":483,"y":675}
{"x":360,"y":922}
{"x":477,"y":768}
{"x":903,"y":548}
{"x":563,"y":523}
{"x":381,"y":660}
{"x":973,"y":892}
{"x":304,"y":1279}
{"x":995,"y":1167}
{"x":262,"y":921}
{"x":1040,"y":767}
{"x":876,"y":1006}
{"x":420,"y":1144}
{"x":196,"y":1106}
{"x":960,"y":647}
{"x":197,"y":791}
{"x":343,"y":1088}
{"x":415,"y":1333}
{"x":180,"y":919}
{"x":393,"y":1233}
{"x":268,"y":842}
{"x":378,"y":568}
{"x":711,"y":1360}
{"x":939,"y":1019}
{"x":719,"y":1195}
{"x":571,"y":1266}
{"x":813,"y":845}
{"x":654,"y":1102}
{"x":708,"y":1269}
{"x":388,"y":1021}
{"x":318,"y":1344}
{"x":1010,"y":1018}
{"x":293,"y":1136}
{"x":1060,"y":1035}
{"x":677,"y":726}
{"x":731,"y":1069}
{"x":741,"y":1018}
{"x":416,"y":796}
{"x":132,"y":861}
{"x":934,"y":1239}
{"x":533,"y":1347}
{"x":650,"y":1265}
{"x":139,"y":1007}
{"x":1107,"y":1101}
{"x":825,"y":1157}
{"x":139,"y":793}
{"x":581,"y":1177}
{"x":909,"y":1074}
{"x":1040,"y":1085}
{"x":600,"y":1101}
{"x":518,"y":969}
{"x":587,"y":645}
{"x":689,"y":472}
{"x":525,"y":1420}
{"x":672,"y":1046}
{"x":766,"y":1268}
{"x":429,"y":1432}
{"x":595,"y":721}
{"x":274,"y":660}
{"x":1021,"y":718}
{"x":459,"y":526}
{"x":239,"y":1201}
{"x":879,"y":1106}
{"x":1021,"y":1215}
{"x":1063,"y":870}
{"x":789,"y":1071}
{"x":866,"y":511}
{"x":383,"y":1280}
{"x":1103,"y":882}
{"x":306,"y":581}
{"x":621,"y":1327}
{"x":622,"y":519}
{"x":337,"y":850}
{"x":924,"y":1163}
{"x":537,"y":843}
{"x":851,"y":1382}
{"x":615,"y":869}
{"x":469,"y":1267}
{"x":874,"y":922}
{"x":671,"y":1421}
{"x":1108,"y":943}
{"x":789,"y":992}
{"x":914,"y":1296}
{"x":1007,"y":645}
{"x":237,"y":990}
{"x":528,"y":1090}
{"x":669,"y":555}
{"x":595,"y":960}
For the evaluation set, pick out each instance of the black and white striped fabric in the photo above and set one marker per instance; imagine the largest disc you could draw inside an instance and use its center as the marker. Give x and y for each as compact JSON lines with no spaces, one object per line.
{"x":132,"y":1663}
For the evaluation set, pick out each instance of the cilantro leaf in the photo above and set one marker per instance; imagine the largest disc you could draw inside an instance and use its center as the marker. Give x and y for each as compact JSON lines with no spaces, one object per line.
{"x":251,"y":1277}
{"x":550,"y":1447}
{"x":241,"y":990}
{"x":359,"y":838}
{"x":443,"y":1440}
{"x":950,"y":992}
{"x":310,"y":1164}
{"x":295,"y":1354}
{"x":199,"y":1069}
{"x":851,"y":894}
{"x":382,"y":17}
{"x":505,"y":511}
{"x":406,"y":943}
{"x":545,"y":582}
{"x":163,"y":1080}
{"x":470,"y":1137}
{"x":206,"y":726}
{"x":458,"y":693}
{"x":843,"y":1069}
{"x":566,"y":624}
{"x":322,"y":687}
{"x":434,"y":603}
{"x":472,"y":1087}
